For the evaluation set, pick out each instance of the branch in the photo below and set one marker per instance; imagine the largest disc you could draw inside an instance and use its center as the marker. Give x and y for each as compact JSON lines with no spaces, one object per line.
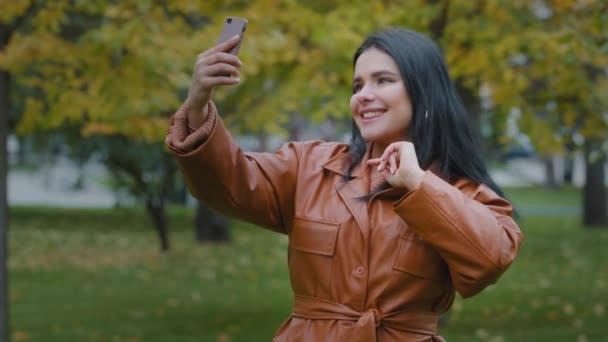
{"x":18,"y":22}
{"x":437,"y":26}
{"x":131,"y":170}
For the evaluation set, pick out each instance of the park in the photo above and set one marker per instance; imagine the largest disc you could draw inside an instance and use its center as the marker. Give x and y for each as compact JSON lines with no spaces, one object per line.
{"x":101,"y":241}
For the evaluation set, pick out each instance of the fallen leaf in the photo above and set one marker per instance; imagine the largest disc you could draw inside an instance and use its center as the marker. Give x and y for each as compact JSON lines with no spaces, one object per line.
{"x":223,"y":337}
{"x":569,"y":309}
{"x":20,"y":335}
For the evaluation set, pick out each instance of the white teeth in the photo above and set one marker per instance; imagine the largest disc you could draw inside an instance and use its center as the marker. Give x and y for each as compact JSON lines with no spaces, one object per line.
{"x":371,"y":114}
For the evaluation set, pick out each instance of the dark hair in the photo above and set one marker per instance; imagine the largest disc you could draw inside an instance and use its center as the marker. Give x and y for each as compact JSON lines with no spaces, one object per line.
{"x":441,"y":129}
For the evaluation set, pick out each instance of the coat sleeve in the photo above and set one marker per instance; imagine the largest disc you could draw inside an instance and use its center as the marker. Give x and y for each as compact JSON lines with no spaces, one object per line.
{"x":469,"y":225}
{"x":254,"y":187}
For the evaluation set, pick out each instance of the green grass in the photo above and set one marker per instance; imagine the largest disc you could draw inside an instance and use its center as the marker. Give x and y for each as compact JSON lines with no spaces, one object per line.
{"x":97,"y":275}
{"x":566,"y":196}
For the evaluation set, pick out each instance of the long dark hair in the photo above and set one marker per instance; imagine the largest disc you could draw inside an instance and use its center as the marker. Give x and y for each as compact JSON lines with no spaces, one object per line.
{"x":441,"y":129}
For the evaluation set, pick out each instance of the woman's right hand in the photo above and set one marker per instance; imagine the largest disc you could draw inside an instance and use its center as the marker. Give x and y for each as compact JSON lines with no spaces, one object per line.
{"x":213,"y":67}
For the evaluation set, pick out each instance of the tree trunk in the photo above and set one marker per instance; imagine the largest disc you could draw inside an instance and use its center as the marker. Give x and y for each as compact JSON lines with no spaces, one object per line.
{"x":263,"y":142}
{"x":156,"y":210}
{"x":4,"y":114}
{"x":550,"y":179}
{"x":296,"y":127}
{"x":569,"y":170}
{"x":210,"y":226}
{"x":594,"y":200}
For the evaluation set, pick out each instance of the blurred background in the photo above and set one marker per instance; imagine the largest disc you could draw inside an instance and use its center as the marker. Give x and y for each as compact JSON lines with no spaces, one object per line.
{"x":100,"y":240}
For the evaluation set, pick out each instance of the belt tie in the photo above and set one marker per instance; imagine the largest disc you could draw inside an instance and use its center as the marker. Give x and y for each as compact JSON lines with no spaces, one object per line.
{"x":367,"y":322}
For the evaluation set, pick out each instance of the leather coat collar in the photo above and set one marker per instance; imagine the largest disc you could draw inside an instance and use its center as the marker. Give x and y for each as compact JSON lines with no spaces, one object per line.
{"x":340,"y":162}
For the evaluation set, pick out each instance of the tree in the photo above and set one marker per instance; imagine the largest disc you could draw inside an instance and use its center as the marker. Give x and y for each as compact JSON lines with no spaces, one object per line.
{"x":4,"y":105}
{"x":95,"y":69}
{"x":210,"y":226}
{"x":146,"y":170}
{"x":10,"y":21}
{"x":115,"y":69}
{"x":546,"y":60}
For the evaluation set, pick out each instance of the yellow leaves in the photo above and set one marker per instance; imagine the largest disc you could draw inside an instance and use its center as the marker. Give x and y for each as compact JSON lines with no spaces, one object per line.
{"x":570,"y":117}
{"x":139,"y":128}
{"x":12,"y":9}
{"x":49,"y":18}
{"x":563,"y":4}
{"x":31,"y":116}
{"x":94,"y":128}
{"x":121,"y":74}
{"x":147,"y":129}
{"x":541,"y":132}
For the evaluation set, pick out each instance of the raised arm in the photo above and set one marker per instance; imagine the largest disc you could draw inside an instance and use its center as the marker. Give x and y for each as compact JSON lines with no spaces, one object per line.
{"x":254,"y":187}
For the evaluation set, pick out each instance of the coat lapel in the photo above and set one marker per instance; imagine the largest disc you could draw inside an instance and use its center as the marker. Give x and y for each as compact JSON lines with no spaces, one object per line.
{"x":351,"y":191}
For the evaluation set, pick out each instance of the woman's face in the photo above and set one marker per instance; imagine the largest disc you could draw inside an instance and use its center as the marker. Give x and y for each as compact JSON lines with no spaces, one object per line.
{"x":380,"y":103}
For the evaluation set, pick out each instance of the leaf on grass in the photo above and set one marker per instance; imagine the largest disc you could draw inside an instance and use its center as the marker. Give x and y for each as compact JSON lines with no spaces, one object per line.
{"x":481,"y":333}
{"x":569,"y":309}
{"x":20,"y":335}
{"x":552,"y":315}
{"x":223,"y":337}
{"x":578,"y":323}
{"x":172,"y":302}
{"x":196,"y":297}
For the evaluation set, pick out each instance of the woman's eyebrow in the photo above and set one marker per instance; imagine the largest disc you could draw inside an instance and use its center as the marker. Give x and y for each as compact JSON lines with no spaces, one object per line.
{"x":377,"y":74}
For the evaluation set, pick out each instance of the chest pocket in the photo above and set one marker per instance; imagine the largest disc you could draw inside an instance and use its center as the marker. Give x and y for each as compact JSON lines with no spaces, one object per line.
{"x":312,"y":246}
{"x":418,"y":258}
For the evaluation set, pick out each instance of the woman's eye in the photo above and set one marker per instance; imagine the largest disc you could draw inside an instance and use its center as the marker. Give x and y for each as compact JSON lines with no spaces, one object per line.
{"x":384,"y":80}
{"x":356,"y":88}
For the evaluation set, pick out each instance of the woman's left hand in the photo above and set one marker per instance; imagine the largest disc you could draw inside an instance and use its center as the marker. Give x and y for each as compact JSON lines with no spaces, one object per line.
{"x":399,"y":166}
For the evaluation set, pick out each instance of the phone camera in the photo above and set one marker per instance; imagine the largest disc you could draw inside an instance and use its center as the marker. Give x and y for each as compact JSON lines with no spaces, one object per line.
{"x":229,"y":20}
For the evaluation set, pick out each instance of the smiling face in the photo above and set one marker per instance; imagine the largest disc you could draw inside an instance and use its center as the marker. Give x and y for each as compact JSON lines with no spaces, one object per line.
{"x":380,"y":104}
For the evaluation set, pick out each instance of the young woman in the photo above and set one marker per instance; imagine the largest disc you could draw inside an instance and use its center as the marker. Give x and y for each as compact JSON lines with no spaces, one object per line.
{"x":382,"y":232}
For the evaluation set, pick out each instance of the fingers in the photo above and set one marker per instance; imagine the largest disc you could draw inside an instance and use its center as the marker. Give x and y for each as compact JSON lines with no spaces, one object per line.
{"x":385,"y":159}
{"x":222,"y":80}
{"x":399,"y":165}
{"x":220,"y":57}
{"x":373,"y":161}
{"x":394,"y":165}
{"x":221,"y":69}
{"x":392,"y":162}
{"x":216,"y":69}
{"x":223,"y":47}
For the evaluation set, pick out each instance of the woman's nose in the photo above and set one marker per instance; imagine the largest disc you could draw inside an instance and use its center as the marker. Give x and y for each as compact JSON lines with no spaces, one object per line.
{"x":365,"y":95}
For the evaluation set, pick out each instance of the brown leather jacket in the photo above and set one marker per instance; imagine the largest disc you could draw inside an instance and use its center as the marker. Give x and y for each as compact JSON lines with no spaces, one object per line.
{"x":361,"y":270}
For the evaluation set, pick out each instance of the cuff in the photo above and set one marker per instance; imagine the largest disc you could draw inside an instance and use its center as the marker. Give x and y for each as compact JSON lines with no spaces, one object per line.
{"x":182,"y":137}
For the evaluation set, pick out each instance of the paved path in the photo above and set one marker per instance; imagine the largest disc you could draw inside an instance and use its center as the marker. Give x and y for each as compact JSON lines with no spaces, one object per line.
{"x":53,"y":186}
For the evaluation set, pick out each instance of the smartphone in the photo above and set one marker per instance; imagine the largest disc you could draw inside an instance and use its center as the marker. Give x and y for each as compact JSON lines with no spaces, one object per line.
{"x":232,"y":27}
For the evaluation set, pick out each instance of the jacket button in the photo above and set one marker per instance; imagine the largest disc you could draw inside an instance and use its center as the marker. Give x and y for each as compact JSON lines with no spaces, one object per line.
{"x":359,"y":271}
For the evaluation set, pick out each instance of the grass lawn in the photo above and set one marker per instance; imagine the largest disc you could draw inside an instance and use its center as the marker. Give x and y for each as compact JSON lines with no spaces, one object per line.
{"x":97,"y":275}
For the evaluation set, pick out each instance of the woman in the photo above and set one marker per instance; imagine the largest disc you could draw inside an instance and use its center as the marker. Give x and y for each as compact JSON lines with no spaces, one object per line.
{"x":382,"y":232}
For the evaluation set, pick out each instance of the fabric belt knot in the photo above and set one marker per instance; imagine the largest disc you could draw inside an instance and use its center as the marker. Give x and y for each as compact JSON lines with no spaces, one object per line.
{"x":365,"y":328}
{"x":367,"y":322}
